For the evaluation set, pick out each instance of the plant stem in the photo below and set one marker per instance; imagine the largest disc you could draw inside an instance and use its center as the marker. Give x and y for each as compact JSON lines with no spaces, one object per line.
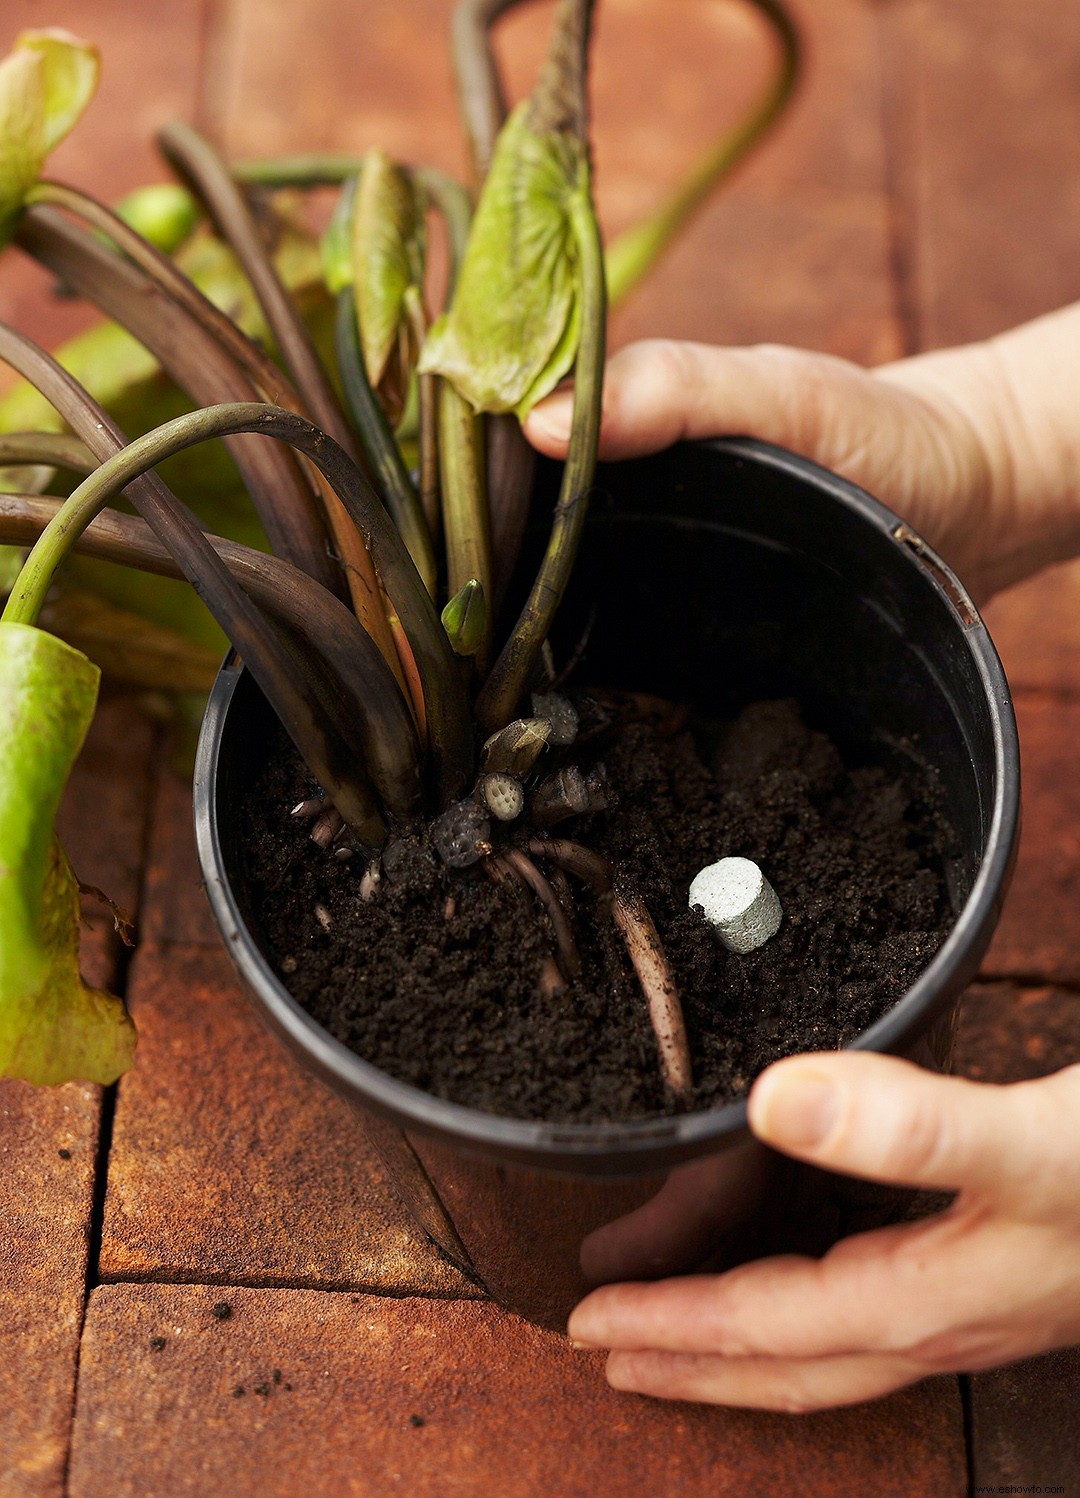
{"x":481,"y":99}
{"x":464,"y":502}
{"x":314,"y":169}
{"x":274,"y":665}
{"x":428,"y":391}
{"x":371,"y":698}
{"x":449,"y":730}
{"x":45,"y":449}
{"x":510,"y":675}
{"x":635,"y":252}
{"x":201,"y":367}
{"x":380,"y":446}
{"x":206,"y":174}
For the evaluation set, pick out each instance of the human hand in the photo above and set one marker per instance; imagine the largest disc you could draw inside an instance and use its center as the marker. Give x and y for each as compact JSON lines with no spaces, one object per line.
{"x":944,"y":439}
{"x":993,"y":1278}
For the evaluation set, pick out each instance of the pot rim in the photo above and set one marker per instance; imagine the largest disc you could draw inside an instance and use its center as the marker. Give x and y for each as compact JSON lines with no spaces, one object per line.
{"x":953,"y":965}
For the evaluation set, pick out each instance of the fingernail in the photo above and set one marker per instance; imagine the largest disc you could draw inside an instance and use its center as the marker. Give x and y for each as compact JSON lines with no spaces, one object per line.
{"x":553,"y":416}
{"x":583,"y":1346}
{"x":798,"y":1111}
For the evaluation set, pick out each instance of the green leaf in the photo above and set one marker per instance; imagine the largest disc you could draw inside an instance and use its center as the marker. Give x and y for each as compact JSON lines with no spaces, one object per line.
{"x":513,"y":328}
{"x":53,"y":1027}
{"x":389,"y":241}
{"x":46,"y":82}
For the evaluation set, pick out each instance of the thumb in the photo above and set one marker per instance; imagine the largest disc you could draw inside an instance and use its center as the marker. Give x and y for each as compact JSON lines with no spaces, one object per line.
{"x":887,"y":1119}
{"x":659,"y":391}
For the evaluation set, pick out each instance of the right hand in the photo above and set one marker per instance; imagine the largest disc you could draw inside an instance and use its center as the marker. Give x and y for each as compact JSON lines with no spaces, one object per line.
{"x":929,"y":436}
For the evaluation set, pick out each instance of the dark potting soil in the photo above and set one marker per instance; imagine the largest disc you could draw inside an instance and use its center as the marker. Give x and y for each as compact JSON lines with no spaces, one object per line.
{"x":435,"y":979}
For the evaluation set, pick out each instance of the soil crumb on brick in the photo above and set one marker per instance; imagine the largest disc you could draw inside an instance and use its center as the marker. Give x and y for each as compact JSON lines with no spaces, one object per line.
{"x":444,"y":994}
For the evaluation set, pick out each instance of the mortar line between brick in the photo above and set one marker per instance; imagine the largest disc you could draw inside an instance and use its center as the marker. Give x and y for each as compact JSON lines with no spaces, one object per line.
{"x":106,"y":1117}
{"x":323,"y":1286}
{"x":896,"y":72}
{"x":1021,"y":979}
{"x":964,"y":1380}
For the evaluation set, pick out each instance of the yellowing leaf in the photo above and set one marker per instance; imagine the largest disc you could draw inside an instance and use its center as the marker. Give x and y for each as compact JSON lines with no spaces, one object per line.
{"x":45,"y":85}
{"x":53,"y":1027}
{"x":512,"y":330}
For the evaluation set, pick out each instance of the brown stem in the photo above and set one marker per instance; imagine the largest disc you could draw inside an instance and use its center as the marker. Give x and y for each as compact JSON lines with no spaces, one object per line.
{"x":370,"y":699}
{"x":200,"y":366}
{"x":204,"y":171}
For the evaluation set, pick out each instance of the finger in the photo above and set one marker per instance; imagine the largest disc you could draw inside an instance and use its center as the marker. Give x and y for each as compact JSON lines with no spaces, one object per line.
{"x":659,"y":391}
{"x":795,"y":1387}
{"x":888,"y":1120}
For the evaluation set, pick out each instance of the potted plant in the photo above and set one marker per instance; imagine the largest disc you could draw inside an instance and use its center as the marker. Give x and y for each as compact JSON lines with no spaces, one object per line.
{"x":445,"y":762}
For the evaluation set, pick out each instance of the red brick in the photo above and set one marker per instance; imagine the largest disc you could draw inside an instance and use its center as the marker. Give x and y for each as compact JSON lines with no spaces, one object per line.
{"x":506,"y":1409}
{"x":175,"y":908}
{"x":45,"y":1207}
{"x":1023,"y":1426}
{"x":230,"y":1163}
{"x":1037,"y":938}
{"x":1011,"y":1034}
{"x":995,"y":126}
{"x":796,"y":250}
{"x":149,"y":75}
{"x":1034,"y":628}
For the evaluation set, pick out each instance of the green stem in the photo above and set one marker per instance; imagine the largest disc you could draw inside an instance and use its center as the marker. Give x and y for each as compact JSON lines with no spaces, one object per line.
{"x":510,"y":675}
{"x":379,"y":444}
{"x":455,"y":207}
{"x":466,"y":523}
{"x":635,"y":252}
{"x":325,"y":169}
{"x":427,"y":386}
{"x":45,"y":449}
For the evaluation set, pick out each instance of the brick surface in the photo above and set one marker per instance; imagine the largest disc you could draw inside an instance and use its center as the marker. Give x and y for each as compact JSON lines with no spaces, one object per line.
{"x":149,"y":74}
{"x":1036,"y":628}
{"x":797,"y":249}
{"x":1011,"y":1034}
{"x":230,"y":1163}
{"x":1023,"y":1418}
{"x":46,"y":1195}
{"x":993,"y":120}
{"x":379,"y":1396}
{"x":45,"y":1214}
{"x":1038,"y":936}
{"x":175,"y":906}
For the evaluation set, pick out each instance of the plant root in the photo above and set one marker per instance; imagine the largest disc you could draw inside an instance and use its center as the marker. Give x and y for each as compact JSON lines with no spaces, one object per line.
{"x":646,"y":953}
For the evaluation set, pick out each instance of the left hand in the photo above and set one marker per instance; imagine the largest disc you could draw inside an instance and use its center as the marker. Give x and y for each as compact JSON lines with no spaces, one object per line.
{"x":993,"y":1278}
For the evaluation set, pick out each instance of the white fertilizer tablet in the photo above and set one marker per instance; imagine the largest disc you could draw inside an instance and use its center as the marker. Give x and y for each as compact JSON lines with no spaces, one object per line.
{"x":739,"y":903}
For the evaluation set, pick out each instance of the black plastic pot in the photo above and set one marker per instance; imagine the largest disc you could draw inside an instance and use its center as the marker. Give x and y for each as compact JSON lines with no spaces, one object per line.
{"x":722,"y":573}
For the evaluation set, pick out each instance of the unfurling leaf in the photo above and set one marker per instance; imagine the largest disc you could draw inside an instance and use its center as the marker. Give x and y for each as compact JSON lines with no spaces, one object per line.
{"x":513,"y":329}
{"x":465,"y":618}
{"x":389,"y":243}
{"x":53,"y":1027}
{"x":45,"y":84}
